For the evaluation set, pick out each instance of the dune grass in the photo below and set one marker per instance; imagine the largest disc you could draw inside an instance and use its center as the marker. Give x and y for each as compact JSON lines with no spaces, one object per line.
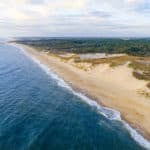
{"x":143,"y":65}
{"x":113,"y":62}
{"x":140,"y":65}
{"x":141,"y":68}
{"x":148,"y":85}
{"x":142,"y":76}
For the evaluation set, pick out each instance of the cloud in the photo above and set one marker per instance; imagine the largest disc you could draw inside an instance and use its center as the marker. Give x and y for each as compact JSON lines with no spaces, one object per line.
{"x":101,"y":14}
{"x":76,"y":17}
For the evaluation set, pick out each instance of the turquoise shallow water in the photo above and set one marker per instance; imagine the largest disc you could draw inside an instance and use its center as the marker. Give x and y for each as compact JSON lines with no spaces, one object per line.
{"x":36,"y":113}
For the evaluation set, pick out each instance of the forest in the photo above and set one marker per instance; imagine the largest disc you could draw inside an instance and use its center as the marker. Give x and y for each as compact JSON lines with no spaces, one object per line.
{"x":134,"y":46}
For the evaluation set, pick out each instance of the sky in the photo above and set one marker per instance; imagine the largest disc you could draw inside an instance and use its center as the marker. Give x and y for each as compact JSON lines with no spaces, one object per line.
{"x":75,"y":18}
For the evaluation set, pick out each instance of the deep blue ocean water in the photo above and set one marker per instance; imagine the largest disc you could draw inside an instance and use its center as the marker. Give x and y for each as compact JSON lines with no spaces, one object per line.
{"x":36,"y":113}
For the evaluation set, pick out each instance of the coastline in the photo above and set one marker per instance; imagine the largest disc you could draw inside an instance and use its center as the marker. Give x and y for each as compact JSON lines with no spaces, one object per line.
{"x":129,"y":108}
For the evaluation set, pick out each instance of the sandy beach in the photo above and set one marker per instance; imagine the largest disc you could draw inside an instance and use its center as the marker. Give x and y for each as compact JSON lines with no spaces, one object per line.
{"x":112,"y":87}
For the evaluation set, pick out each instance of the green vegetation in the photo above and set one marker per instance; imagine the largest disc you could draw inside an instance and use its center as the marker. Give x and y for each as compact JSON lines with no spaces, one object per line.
{"x":136,"y":47}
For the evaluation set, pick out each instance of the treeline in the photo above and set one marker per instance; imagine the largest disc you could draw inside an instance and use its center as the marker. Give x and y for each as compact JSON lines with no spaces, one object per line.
{"x":137,"y":47}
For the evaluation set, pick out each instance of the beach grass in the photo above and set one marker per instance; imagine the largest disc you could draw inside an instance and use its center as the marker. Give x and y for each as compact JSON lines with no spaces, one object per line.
{"x":113,"y":61}
{"x":148,"y":85}
{"x":140,"y":65}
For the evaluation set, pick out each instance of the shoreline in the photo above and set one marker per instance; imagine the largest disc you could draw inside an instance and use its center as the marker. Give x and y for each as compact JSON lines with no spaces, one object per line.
{"x":101,"y":98}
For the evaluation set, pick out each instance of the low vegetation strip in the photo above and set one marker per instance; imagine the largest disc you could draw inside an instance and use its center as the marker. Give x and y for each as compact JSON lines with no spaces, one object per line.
{"x":135,"y":47}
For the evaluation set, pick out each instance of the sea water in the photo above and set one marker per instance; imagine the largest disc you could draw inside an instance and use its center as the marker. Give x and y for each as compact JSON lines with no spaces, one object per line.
{"x":39,"y":111}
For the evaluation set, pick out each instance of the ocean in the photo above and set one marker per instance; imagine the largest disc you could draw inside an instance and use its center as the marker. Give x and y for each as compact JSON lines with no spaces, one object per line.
{"x":39,"y":111}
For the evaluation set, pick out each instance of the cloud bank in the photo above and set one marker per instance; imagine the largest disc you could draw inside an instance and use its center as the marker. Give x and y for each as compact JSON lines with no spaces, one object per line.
{"x":102,"y":18}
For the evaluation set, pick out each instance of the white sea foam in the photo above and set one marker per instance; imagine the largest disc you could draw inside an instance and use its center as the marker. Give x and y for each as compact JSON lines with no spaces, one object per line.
{"x":107,"y":112}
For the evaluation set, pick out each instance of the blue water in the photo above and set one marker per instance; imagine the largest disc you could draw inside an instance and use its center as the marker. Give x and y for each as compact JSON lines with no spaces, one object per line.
{"x":38,"y":114}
